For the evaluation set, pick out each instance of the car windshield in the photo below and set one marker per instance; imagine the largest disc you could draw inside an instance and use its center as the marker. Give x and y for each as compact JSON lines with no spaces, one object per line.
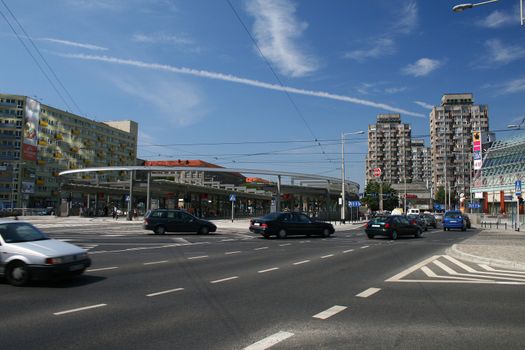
{"x":21,"y":232}
{"x":271,"y":216}
{"x":453,"y":215}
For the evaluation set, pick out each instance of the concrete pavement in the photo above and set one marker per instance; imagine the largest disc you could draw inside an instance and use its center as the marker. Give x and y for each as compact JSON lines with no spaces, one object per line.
{"x":497,"y":248}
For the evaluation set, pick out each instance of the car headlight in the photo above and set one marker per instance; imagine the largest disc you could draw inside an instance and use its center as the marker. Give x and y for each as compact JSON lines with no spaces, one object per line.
{"x":54,"y":261}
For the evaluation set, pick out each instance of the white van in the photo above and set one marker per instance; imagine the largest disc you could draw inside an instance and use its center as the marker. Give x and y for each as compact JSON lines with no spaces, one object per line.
{"x":413,"y":211}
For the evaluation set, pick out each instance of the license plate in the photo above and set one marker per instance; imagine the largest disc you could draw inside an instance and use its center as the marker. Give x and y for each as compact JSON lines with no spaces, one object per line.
{"x":256,"y":224}
{"x":376,"y":225}
{"x":76,"y":267}
{"x":452,"y":221}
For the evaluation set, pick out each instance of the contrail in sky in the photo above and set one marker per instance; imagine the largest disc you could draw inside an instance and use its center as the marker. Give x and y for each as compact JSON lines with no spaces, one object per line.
{"x":239,"y":80}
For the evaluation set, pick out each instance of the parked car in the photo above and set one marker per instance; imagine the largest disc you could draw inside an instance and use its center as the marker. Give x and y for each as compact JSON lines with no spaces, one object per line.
{"x":161,"y":221}
{"x":430,"y":220}
{"x":454,"y":219}
{"x":413,"y":211}
{"x":392,"y":226}
{"x":438,"y":216}
{"x":26,"y":254}
{"x":286,"y":224}
{"x":418,"y":220}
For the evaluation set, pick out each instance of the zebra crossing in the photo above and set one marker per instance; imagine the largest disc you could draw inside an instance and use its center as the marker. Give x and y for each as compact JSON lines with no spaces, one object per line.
{"x":447,"y":269}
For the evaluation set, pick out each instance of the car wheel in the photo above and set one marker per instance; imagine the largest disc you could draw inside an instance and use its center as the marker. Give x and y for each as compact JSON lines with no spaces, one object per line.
{"x":444,"y":228}
{"x":282,"y":233}
{"x":393,"y":235}
{"x":418,"y":233}
{"x":204,"y":230}
{"x":160,"y":230}
{"x":326,"y":233}
{"x":463,"y":229}
{"x":370,"y":236}
{"x":426,"y":228}
{"x":18,"y":274}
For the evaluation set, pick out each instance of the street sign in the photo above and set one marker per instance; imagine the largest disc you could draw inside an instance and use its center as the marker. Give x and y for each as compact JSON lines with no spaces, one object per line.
{"x":354,"y":204}
{"x":517,"y":187}
{"x":437,"y":206}
{"x":127,"y":198}
{"x":233,"y":198}
{"x":377,"y":172}
{"x":474,"y":205}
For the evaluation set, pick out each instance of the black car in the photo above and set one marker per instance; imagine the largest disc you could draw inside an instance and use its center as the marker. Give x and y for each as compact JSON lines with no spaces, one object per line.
{"x":392,"y":226}
{"x":430,"y":220}
{"x":286,"y":224}
{"x":161,"y":221}
{"x":418,"y":220}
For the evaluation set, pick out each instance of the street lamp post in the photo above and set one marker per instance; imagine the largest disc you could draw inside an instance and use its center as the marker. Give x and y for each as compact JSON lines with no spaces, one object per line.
{"x":343,"y":181}
{"x":463,"y":7}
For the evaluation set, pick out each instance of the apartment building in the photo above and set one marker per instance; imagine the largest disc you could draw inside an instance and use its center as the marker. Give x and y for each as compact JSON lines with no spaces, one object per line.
{"x":451,"y":127}
{"x":38,"y":141}
{"x":421,"y":161}
{"x":389,"y":148}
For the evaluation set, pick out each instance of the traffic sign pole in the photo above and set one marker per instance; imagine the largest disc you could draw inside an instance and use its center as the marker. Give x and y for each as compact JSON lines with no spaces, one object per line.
{"x":517,"y":187}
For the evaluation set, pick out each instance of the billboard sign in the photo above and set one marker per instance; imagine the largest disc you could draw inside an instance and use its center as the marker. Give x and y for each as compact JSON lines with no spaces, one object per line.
{"x":476,"y":139}
{"x":28,"y":187}
{"x":30,"y":140}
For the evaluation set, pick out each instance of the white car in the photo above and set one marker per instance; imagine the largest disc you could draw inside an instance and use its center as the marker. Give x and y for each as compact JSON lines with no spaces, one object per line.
{"x":26,"y":254}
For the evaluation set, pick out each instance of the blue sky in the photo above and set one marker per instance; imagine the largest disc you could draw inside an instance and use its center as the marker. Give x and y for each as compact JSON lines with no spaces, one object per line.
{"x":189,"y":72}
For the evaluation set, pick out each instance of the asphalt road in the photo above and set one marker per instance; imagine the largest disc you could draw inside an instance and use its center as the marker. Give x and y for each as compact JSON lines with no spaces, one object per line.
{"x":234,"y":290}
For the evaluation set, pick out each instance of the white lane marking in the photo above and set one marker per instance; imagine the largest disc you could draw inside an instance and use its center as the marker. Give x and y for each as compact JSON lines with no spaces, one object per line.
{"x":103,"y":269}
{"x":113,"y":235}
{"x":365,"y":246}
{"x":411,"y":269}
{"x":327,"y":256}
{"x":301,"y":262}
{"x":228,"y":240}
{"x":260,"y":248}
{"x":471,"y":270}
{"x":488,"y":268}
{"x":78,"y":309}
{"x":477,"y":275}
{"x":462,"y":281}
{"x":368,"y":292}
{"x":348,"y":251}
{"x":330,"y":312}
{"x":285,"y":244}
{"x":164,"y":292}
{"x":432,"y":274}
{"x":225,"y":279}
{"x":269,"y":341}
{"x":156,"y":262}
{"x":197,"y":257}
{"x":235,"y":252}
{"x":268,"y":270}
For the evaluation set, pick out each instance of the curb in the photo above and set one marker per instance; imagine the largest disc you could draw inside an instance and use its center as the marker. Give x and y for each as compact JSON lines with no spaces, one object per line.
{"x":455,"y":252}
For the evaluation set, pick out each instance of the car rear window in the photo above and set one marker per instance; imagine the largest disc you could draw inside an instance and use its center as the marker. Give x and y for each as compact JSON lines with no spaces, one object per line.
{"x":379,"y":219}
{"x":453,"y":215}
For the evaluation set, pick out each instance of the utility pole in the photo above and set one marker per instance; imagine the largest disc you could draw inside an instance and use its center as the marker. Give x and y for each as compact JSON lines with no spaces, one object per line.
{"x":445,"y":159}
{"x":343,"y":202}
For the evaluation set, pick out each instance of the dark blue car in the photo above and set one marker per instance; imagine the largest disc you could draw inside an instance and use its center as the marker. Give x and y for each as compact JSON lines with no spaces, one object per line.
{"x":454,"y":219}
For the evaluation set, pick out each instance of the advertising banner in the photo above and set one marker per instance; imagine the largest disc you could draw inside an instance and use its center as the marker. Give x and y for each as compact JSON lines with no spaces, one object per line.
{"x":28,"y":187}
{"x":30,"y":139}
{"x":476,"y":138}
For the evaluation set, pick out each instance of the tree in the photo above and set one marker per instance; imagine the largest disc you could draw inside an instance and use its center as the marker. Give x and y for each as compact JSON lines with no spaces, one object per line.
{"x":440,"y":195}
{"x":371,"y":196}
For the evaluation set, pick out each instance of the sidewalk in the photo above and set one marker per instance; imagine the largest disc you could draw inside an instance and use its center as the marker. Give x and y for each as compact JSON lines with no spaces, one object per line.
{"x":498,"y":248}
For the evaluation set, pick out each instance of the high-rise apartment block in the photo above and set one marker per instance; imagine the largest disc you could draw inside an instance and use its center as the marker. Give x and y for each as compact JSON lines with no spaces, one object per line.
{"x":38,"y":141}
{"x":421,"y":162}
{"x":451,"y":128}
{"x":389,"y":149}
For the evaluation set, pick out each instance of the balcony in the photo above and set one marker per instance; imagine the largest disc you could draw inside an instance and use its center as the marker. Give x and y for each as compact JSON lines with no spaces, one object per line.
{"x":74,"y":149}
{"x":40,"y":182}
{"x":58,"y":155}
{"x":75,"y":132}
{"x":42,"y":142}
{"x":59,"y":137}
{"x":41,"y":162}
{"x":43,"y":123}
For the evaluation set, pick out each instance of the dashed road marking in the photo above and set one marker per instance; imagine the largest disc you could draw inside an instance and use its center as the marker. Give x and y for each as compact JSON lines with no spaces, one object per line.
{"x":368,"y":292}
{"x":348,"y":251}
{"x":228,"y":240}
{"x":156,"y":262}
{"x":79,"y":309}
{"x":164,"y":292}
{"x":103,"y":269}
{"x":235,"y":252}
{"x":260,"y":248}
{"x":327,"y":256}
{"x":268,"y":270}
{"x":301,"y":262}
{"x":330,"y":312}
{"x":269,"y":341}
{"x":197,"y":257}
{"x":224,"y":279}
{"x":285,"y":244}
{"x":365,"y":246}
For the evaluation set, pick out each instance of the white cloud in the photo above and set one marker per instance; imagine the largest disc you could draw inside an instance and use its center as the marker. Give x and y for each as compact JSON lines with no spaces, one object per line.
{"x":176,"y":102}
{"x":395,"y":90}
{"x":497,"y":19}
{"x":161,"y":39}
{"x":513,"y":86}
{"x":73,"y":43}
{"x":239,"y":80}
{"x":277,"y":32}
{"x":385,"y":45}
{"x":422,"y":67}
{"x":424,"y":104}
{"x":380,"y":47}
{"x":499,"y":53}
